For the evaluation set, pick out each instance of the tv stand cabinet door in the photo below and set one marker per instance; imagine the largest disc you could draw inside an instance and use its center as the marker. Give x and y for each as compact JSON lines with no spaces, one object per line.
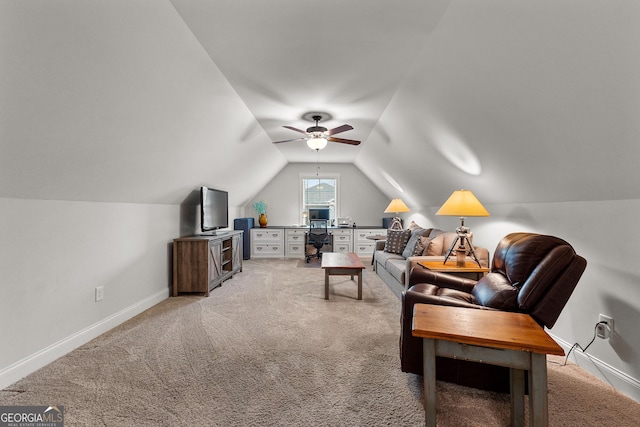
{"x":190,"y":266}
{"x":237,"y":252}
{"x":215,"y":264}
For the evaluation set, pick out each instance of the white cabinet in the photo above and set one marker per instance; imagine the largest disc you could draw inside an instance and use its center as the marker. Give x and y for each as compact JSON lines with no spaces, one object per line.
{"x":267,"y":242}
{"x":364,"y":246}
{"x":294,"y":238}
{"x":342,"y":240}
{"x":283,"y":242}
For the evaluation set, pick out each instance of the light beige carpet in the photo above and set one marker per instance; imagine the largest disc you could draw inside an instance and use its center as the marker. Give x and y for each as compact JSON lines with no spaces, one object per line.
{"x":266,"y":349}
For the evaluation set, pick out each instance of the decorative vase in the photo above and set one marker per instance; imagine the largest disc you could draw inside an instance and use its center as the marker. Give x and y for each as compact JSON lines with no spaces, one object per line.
{"x":262,"y":219}
{"x":461,"y":258}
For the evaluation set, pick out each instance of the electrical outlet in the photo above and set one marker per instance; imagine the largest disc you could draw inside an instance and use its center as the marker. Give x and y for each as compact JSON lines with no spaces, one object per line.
{"x":605,"y":331}
{"x":99,"y":293}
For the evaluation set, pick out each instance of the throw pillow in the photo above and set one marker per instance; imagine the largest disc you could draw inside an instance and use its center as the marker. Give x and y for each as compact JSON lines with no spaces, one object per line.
{"x":435,"y":232}
{"x":449,"y":238}
{"x":423,"y":243}
{"x":396,"y":241}
{"x":415,"y":228}
{"x":410,"y":248}
{"x":435,"y":247}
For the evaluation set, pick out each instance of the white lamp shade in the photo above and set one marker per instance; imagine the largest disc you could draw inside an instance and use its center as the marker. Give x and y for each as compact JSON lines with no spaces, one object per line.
{"x":317,"y":143}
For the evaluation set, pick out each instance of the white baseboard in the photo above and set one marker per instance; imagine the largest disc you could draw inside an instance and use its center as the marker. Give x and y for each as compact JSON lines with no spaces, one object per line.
{"x":43,"y":357}
{"x":617,"y":379}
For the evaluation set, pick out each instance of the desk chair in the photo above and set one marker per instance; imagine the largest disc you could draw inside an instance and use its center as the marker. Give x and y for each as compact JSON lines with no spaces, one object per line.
{"x":317,"y":236}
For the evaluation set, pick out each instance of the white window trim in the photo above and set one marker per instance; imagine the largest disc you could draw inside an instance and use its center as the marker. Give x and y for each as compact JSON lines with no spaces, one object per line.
{"x":325,"y":175}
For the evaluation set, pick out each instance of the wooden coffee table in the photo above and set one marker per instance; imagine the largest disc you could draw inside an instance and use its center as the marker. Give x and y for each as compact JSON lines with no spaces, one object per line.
{"x":341,"y":264}
{"x":501,"y":338}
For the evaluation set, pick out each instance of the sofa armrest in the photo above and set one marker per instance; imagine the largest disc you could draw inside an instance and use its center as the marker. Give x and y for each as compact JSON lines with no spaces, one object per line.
{"x":483,"y":255}
{"x":442,"y":280}
{"x":412,"y":262}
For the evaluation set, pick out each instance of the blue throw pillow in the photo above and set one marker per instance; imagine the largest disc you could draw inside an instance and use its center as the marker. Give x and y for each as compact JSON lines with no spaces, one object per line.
{"x":410,"y":248}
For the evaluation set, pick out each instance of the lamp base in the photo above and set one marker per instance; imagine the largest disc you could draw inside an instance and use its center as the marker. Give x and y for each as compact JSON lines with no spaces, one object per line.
{"x":461,"y":257}
{"x":396,"y":224}
{"x":461,"y":253}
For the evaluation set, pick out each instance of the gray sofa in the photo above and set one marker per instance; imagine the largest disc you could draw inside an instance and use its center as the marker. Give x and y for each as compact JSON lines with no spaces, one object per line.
{"x":394,"y":268}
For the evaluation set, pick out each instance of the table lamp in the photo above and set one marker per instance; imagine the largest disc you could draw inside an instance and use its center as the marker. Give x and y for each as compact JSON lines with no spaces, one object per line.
{"x":396,"y":206}
{"x":462,"y":203}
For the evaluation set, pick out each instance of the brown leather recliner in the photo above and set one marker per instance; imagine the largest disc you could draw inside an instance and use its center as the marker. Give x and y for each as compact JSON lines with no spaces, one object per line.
{"x":530,"y":273}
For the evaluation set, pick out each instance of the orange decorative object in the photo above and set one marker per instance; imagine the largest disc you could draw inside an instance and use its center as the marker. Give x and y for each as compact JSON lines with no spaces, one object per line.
{"x":262,"y":219}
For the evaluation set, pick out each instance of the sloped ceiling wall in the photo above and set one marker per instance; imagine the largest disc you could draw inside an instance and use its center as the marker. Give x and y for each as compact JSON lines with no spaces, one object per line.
{"x":117,"y":101}
{"x":289,"y":57}
{"x":519,"y":101}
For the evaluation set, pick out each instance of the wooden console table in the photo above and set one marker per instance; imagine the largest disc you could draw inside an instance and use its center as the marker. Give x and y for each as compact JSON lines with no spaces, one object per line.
{"x":501,"y":338}
{"x":341,"y":264}
{"x":451,"y":267}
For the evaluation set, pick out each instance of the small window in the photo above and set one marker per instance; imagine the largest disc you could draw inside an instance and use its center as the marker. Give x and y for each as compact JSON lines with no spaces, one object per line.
{"x":319,"y":198}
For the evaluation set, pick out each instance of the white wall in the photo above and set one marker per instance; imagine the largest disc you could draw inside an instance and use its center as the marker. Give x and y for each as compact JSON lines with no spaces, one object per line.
{"x":606,"y":235}
{"x":359,"y":198}
{"x":53,"y":254}
{"x":118,"y":102}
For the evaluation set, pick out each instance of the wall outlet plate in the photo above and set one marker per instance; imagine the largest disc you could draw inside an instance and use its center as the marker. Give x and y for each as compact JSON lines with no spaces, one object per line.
{"x":99,"y":293}
{"x":605,"y":331}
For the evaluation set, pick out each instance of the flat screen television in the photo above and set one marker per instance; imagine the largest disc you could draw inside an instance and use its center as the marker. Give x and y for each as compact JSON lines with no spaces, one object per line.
{"x":214,"y":209}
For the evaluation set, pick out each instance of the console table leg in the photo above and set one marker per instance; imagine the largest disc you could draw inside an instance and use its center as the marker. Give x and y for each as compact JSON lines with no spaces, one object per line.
{"x":516,"y":377}
{"x":538,"y":399}
{"x":429,"y":378}
{"x":326,"y":284}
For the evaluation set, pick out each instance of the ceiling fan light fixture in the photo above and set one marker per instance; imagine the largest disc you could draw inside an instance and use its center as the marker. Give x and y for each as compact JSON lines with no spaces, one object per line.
{"x":317,"y":143}
{"x":317,"y":136}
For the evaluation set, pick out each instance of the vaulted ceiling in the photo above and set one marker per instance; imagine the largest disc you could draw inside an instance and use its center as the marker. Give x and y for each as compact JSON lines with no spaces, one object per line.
{"x":520,"y":101}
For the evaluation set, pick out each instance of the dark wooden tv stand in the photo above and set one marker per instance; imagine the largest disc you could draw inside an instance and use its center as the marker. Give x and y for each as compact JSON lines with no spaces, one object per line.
{"x":201,"y":263}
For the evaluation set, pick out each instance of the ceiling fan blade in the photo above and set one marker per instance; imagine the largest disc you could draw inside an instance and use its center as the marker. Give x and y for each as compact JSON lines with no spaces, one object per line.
{"x":344,"y":141}
{"x":339,"y":129}
{"x":296,"y":129}
{"x":289,"y":140}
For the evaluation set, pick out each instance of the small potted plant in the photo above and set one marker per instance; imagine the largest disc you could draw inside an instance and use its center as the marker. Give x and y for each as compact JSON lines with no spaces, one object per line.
{"x":261,"y":208}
